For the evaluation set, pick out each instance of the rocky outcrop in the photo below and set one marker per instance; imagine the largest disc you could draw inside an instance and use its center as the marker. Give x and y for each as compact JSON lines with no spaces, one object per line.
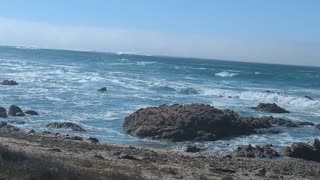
{"x":272,"y":108}
{"x":193,"y":149}
{"x":6,"y":127}
{"x":307,"y":151}
{"x":93,"y":140}
{"x":9,"y":83}
{"x":3,"y":112}
{"x":65,"y":125}
{"x":32,"y":112}
{"x":103,"y":90}
{"x":186,"y":122}
{"x":197,"y":122}
{"x":249,"y":151}
{"x":15,"y":111}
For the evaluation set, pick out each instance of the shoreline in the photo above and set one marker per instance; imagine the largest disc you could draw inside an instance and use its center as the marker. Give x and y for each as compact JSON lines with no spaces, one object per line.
{"x":102,"y":159}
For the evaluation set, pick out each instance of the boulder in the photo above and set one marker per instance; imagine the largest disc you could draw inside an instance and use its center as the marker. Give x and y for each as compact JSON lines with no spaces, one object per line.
{"x":15,"y":111}
{"x":197,"y":122}
{"x":249,"y":151}
{"x":304,"y":151}
{"x":65,"y":125}
{"x":186,"y":122}
{"x":3,"y":113}
{"x":308,"y":97}
{"x":103,"y":90}
{"x":6,"y":127}
{"x":93,"y":140}
{"x":9,"y":83}
{"x":270,"y":107}
{"x":31,"y":112}
{"x":192,"y":149}
{"x":315,"y":143}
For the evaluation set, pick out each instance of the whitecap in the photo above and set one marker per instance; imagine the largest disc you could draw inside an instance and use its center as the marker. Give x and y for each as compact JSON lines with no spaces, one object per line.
{"x":226,"y":74}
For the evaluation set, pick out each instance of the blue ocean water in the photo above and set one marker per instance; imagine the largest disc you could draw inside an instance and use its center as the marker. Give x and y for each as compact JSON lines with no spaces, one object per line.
{"x":62,"y":85}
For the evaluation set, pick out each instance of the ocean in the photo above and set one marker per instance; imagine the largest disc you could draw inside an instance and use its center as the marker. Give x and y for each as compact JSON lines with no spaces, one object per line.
{"x":62,"y":86}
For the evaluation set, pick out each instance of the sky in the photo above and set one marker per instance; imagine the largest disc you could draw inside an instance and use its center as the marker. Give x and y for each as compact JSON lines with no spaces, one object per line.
{"x":265,"y":31}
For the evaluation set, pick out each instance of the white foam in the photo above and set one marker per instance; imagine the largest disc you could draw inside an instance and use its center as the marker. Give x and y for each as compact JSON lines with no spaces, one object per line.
{"x":226,"y":74}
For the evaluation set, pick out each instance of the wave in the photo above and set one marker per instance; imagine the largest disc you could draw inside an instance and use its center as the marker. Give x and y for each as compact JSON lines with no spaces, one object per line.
{"x":226,"y":74}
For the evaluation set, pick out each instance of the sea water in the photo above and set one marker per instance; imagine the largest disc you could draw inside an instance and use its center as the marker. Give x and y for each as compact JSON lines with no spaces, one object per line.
{"x":62,"y":86}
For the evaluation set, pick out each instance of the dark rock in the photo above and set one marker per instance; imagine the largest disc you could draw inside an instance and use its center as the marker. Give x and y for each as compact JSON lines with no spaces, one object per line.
{"x":103,"y":90}
{"x":260,"y":172}
{"x":272,"y":108}
{"x":6,"y":127}
{"x":65,"y":125}
{"x":55,"y":150}
{"x":46,"y":132}
{"x":305,"y":123}
{"x":308,"y":97}
{"x":249,"y":151}
{"x":3,"y":113}
{"x":186,"y":122}
{"x":93,"y":140}
{"x":15,"y":111}
{"x":31,"y":131}
{"x":315,"y":143}
{"x":228,"y":177}
{"x":98,"y":156}
{"x":31,"y":112}
{"x":9,"y":82}
{"x":17,"y":122}
{"x":318,"y":126}
{"x":197,"y":122}
{"x":126,"y":156}
{"x":192,"y":149}
{"x":303,"y":151}
{"x":77,"y":138}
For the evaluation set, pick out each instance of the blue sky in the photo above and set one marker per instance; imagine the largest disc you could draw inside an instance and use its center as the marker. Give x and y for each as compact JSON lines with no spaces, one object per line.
{"x":290,"y":28}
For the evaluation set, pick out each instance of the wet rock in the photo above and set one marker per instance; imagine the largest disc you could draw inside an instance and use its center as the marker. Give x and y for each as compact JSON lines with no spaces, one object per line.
{"x":249,"y":151}
{"x":93,"y":140}
{"x":65,"y":125}
{"x":6,"y":127}
{"x":308,"y":97}
{"x":315,"y":143}
{"x":31,"y":131}
{"x":186,"y":122}
{"x":98,"y":156}
{"x":3,"y":112}
{"x":304,"y":151}
{"x":318,"y":126}
{"x":17,"y":122}
{"x":9,"y":83}
{"x":192,"y":149}
{"x":31,"y":112}
{"x":103,"y":90}
{"x":305,"y":123}
{"x":197,"y":122}
{"x":15,"y":111}
{"x":228,"y":177}
{"x":272,"y":108}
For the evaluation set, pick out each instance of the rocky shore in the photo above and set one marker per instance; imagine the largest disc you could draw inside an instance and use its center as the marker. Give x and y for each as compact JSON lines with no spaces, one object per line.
{"x":88,"y":160}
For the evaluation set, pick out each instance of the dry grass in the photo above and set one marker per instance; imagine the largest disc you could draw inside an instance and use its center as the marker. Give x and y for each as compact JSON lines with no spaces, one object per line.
{"x":18,"y":165}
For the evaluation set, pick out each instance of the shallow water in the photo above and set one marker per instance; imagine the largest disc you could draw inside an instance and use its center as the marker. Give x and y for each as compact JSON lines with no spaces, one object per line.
{"x":62,"y":86}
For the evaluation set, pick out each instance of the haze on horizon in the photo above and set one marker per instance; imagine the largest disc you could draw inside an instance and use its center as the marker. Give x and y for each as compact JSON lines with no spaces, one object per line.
{"x":281,"y":32}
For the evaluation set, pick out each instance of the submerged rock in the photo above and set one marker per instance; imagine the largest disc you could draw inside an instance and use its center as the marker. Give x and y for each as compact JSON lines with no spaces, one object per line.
{"x":272,"y":108}
{"x":308,"y":97}
{"x":31,"y":112}
{"x":103,"y":90}
{"x":65,"y":125}
{"x":3,"y":113}
{"x":15,"y":111}
{"x":249,"y":151}
{"x":318,"y":126}
{"x":9,"y":83}
{"x":305,"y":151}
